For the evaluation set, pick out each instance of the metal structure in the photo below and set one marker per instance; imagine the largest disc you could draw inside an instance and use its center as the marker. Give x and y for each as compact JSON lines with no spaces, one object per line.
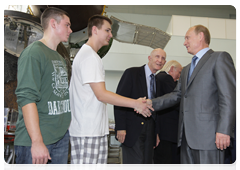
{"x":20,"y":30}
{"x":128,"y":32}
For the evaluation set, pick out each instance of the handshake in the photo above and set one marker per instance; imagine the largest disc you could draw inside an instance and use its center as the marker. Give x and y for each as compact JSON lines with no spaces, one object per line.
{"x":143,"y":107}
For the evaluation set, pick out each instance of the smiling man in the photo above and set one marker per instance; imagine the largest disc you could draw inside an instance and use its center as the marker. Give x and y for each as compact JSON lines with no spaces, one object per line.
{"x":42,"y":95}
{"x":207,"y":91}
{"x":135,"y":132}
{"x":88,"y":98}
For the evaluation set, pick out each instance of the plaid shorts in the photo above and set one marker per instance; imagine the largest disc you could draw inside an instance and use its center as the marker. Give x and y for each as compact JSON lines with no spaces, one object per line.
{"x":89,"y":150}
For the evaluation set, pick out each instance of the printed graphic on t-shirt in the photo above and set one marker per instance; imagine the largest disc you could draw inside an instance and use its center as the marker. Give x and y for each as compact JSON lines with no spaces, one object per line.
{"x":60,"y":89}
{"x":58,"y":107}
{"x":60,"y":79}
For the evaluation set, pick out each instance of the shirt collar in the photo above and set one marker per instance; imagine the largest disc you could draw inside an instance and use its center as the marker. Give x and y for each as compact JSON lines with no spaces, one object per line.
{"x":148,"y":72}
{"x":202,"y":52}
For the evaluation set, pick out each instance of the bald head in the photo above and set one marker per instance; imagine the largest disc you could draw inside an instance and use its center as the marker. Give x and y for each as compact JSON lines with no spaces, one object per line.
{"x":158,"y":51}
{"x":157,"y":59}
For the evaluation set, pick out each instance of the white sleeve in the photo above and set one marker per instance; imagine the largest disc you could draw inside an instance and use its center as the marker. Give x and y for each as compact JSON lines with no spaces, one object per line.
{"x":92,"y":70}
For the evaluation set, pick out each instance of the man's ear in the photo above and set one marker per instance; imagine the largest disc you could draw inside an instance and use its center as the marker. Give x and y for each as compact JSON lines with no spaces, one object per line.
{"x":52,"y":23}
{"x":94,"y":30}
{"x":149,"y":57}
{"x":171,"y":69}
{"x":201,"y":36}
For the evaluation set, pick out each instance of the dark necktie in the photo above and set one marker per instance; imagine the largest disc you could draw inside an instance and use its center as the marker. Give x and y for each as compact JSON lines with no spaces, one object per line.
{"x":152,"y":87}
{"x":152,"y":92}
{"x":192,"y":66}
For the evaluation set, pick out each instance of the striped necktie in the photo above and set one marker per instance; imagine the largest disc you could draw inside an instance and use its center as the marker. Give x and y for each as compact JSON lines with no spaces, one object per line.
{"x":192,"y":66}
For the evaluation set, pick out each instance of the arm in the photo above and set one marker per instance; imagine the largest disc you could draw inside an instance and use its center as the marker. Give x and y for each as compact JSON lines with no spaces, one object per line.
{"x":225,"y":75}
{"x":106,"y":96}
{"x":39,"y":151}
{"x":167,"y":100}
{"x":28,"y":93}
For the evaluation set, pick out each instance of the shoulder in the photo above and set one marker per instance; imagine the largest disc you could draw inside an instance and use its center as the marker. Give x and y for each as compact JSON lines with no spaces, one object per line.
{"x":132,"y":72}
{"x":218,"y":53}
{"x":34,"y":47}
{"x":221,"y":54}
{"x":163,"y":75}
{"x":84,"y":52}
{"x":221,"y":57}
{"x":34,"y":50}
{"x":135,"y":69}
{"x":86,"y":55}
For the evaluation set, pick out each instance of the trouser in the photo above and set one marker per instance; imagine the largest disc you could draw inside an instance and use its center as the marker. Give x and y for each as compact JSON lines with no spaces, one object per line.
{"x":89,"y":150}
{"x":142,"y":151}
{"x":166,"y":153}
{"x":58,"y":152}
{"x":192,"y":156}
{"x":230,"y":152}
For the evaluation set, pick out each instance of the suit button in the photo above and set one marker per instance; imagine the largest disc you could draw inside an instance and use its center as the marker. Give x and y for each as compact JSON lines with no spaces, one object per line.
{"x":185,"y":96}
{"x":142,"y":123}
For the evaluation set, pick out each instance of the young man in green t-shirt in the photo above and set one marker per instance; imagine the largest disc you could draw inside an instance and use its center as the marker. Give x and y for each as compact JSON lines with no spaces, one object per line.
{"x":42,"y":95}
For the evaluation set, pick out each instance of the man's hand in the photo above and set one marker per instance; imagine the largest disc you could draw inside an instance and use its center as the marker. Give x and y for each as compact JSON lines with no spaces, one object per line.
{"x":149,"y":102}
{"x":40,"y":154}
{"x":142,"y":107}
{"x":157,"y":141}
{"x":222,"y":141}
{"x":121,"y":135}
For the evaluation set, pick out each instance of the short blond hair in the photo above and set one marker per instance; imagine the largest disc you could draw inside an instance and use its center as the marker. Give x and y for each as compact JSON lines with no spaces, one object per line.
{"x":169,"y":64}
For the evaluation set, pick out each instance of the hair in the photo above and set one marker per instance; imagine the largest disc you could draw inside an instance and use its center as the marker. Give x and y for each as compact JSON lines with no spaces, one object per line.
{"x":201,"y":28}
{"x":169,"y":64}
{"x":96,"y":20}
{"x":52,"y":12}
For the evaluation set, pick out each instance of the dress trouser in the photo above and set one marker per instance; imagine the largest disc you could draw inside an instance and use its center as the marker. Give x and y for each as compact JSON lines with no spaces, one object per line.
{"x":142,"y":151}
{"x":192,"y":156}
{"x":163,"y":155}
{"x":230,"y":152}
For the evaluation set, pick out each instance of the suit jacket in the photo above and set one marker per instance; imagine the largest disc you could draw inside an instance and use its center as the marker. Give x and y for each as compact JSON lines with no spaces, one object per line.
{"x":133,"y":85}
{"x":236,"y":123}
{"x":208,"y":101}
{"x":167,"y":119}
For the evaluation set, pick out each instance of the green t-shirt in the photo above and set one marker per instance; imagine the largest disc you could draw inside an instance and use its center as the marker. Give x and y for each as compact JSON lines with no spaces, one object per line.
{"x":43,"y":79}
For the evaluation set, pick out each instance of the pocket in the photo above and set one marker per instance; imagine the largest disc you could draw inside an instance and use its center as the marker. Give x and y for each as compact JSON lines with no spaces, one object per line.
{"x":208,"y":116}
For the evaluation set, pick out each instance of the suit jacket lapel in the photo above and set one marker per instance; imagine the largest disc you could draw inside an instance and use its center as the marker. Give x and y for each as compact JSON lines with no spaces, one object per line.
{"x":202,"y":61}
{"x":186,"y":73}
{"x":143,"y":83}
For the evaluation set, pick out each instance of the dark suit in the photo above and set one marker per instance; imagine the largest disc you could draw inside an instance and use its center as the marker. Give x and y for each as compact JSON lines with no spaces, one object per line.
{"x":140,"y":134}
{"x":208,"y":104}
{"x":167,"y":151}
